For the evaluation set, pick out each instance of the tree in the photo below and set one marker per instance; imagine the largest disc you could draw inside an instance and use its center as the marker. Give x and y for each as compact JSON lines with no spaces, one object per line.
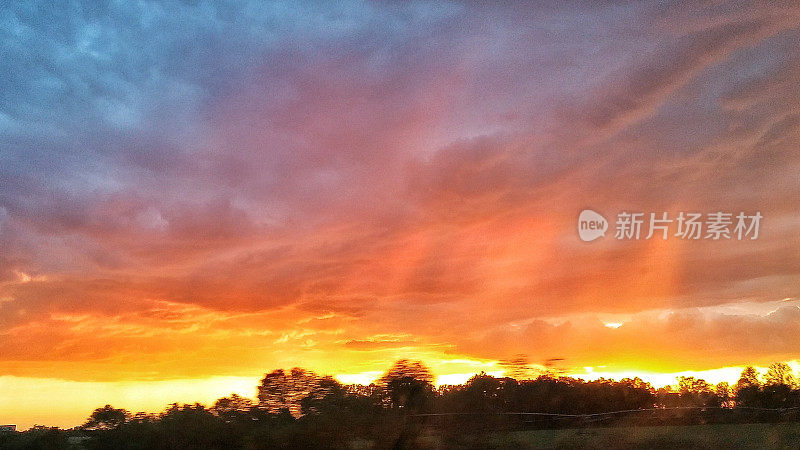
{"x":230,"y":404}
{"x":748,"y":388}
{"x":748,"y":378}
{"x":405,"y":368}
{"x":693,"y":385}
{"x":724,"y":393}
{"x":779,"y":374}
{"x":408,"y":386}
{"x":280,"y":390}
{"x":406,"y":389}
{"x":696,"y":392}
{"x":192,"y":426}
{"x":232,"y":409}
{"x":106,"y":418}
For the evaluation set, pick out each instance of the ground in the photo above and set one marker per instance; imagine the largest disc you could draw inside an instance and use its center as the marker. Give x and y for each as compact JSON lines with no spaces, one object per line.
{"x":733,"y":436}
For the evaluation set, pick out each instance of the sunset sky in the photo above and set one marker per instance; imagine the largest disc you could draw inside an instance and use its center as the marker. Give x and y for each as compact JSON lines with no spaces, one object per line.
{"x":193,"y":194}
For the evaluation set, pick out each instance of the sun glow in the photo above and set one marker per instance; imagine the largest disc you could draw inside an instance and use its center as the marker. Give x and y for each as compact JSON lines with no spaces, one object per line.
{"x":70,"y":402}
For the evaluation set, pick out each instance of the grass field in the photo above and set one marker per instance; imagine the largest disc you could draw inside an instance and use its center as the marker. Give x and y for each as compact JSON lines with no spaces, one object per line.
{"x":732,"y":436}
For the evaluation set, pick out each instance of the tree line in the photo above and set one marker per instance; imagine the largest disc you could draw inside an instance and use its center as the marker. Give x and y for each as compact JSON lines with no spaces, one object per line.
{"x":300,"y":409}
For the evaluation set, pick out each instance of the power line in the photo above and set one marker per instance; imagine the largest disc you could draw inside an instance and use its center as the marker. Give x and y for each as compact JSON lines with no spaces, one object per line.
{"x":607,"y":413}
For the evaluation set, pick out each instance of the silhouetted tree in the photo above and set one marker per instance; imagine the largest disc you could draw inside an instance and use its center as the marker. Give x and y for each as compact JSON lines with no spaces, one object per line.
{"x":299,"y":409}
{"x":406,"y":389}
{"x":725,"y":394}
{"x":485,"y":393}
{"x":697,"y":392}
{"x":748,"y":378}
{"x":748,"y":388}
{"x":193,"y":426}
{"x":779,"y":373}
{"x":37,"y":438}
{"x":408,"y":385}
{"x":234,"y":409}
{"x":106,"y":418}
{"x":280,"y":390}
{"x":231,"y":404}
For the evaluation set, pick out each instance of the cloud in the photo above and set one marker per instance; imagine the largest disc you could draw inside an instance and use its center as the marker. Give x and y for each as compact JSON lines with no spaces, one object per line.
{"x":659,"y":341}
{"x":377,"y":344}
{"x":410,"y":170}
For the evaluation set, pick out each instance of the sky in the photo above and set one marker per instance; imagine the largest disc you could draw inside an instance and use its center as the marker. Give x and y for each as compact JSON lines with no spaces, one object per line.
{"x":193,"y":193}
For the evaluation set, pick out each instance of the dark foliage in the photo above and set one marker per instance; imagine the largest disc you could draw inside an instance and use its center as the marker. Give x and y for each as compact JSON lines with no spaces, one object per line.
{"x":299,"y":409}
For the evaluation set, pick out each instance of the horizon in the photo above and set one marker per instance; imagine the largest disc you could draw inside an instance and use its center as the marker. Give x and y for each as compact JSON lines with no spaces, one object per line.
{"x":192,"y":192}
{"x":207,"y":391}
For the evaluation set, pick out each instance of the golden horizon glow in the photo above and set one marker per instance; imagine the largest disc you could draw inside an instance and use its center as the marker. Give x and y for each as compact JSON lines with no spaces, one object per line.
{"x":21,"y":404}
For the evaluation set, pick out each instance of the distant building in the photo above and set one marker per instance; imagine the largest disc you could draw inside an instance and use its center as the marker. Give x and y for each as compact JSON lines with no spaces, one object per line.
{"x":8,"y":428}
